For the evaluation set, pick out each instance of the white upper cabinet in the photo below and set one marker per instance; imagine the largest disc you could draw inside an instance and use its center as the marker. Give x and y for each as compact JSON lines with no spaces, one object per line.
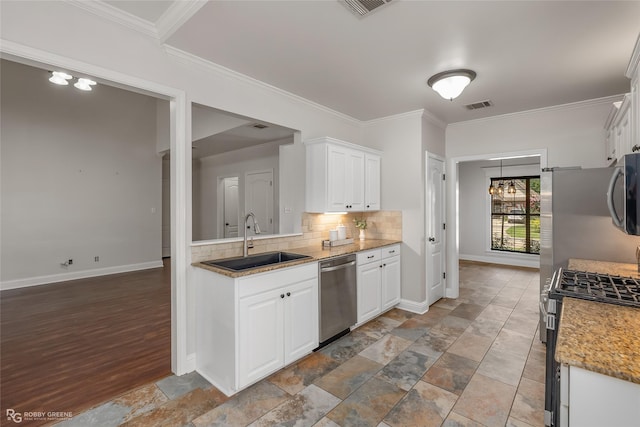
{"x":623,"y":124}
{"x":341,"y":177}
{"x":372,"y":179}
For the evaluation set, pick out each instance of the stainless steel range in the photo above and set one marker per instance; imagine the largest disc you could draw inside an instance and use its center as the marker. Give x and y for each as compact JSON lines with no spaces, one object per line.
{"x":602,"y":288}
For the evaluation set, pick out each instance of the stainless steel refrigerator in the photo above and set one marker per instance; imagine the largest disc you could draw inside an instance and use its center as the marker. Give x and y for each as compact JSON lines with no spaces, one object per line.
{"x":575,"y":222}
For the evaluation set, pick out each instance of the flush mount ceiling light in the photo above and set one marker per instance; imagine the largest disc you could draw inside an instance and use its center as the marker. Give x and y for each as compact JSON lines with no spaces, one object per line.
{"x":84,"y":84}
{"x":60,"y":78}
{"x":450,"y":84}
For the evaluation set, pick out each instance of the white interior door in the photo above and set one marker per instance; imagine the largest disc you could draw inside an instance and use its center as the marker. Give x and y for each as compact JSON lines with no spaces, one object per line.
{"x":259,"y":199}
{"x":435,"y":228}
{"x":230,"y":202}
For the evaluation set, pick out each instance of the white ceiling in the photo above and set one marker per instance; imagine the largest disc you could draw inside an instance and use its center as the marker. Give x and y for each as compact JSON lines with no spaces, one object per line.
{"x":527,"y":54}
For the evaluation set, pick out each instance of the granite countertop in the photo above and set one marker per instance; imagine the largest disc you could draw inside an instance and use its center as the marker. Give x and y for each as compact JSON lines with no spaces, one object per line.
{"x":316,"y":253}
{"x":604,"y":267}
{"x":600,"y":337}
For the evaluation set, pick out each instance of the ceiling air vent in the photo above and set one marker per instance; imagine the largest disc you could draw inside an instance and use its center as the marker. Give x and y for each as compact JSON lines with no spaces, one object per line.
{"x":260,"y":126}
{"x":362,"y":7}
{"x":477,"y":105}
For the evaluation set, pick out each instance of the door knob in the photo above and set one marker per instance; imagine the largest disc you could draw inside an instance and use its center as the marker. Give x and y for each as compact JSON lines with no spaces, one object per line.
{"x":432,"y":239}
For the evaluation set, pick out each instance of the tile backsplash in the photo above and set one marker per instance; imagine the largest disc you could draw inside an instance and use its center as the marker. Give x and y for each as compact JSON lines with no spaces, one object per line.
{"x":385,"y":225}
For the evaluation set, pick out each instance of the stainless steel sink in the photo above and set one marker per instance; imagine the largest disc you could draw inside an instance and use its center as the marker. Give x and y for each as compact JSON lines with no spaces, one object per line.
{"x":255,"y":261}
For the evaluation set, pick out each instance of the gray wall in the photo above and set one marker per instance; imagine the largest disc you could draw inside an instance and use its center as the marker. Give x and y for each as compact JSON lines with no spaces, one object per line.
{"x":80,"y":178}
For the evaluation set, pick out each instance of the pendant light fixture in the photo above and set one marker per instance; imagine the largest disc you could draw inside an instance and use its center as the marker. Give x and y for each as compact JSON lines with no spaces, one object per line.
{"x":499,"y":190}
{"x":450,"y":84}
{"x":512,"y":188}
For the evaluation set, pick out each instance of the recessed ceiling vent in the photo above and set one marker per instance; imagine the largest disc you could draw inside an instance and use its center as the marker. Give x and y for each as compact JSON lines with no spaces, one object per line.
{"x":478,"y":105}
{"x":362,"y":7}
{"x":260,"y":126}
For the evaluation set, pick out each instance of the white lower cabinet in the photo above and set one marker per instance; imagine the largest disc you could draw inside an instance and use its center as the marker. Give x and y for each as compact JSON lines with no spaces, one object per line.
{"x":390,"y":281}
{"x":379,"y":280}
{"x":249,"y":327}
{"x":590,"y":399}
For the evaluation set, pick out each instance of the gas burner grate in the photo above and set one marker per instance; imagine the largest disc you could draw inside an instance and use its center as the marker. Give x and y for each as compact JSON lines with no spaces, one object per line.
{"x":600,"y":287}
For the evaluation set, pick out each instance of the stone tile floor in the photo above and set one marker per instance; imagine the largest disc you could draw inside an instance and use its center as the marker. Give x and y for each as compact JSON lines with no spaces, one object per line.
{"x":472,"y":361}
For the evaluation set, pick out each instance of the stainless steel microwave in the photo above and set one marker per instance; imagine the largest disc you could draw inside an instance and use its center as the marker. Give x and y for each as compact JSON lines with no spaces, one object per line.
{"x":623,"y":195}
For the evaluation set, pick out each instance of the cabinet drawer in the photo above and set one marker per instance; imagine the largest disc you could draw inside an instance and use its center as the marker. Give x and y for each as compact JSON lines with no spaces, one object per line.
{"x":389,"y":251}
{"x":369,"y":256}
{"x":270,"y":280}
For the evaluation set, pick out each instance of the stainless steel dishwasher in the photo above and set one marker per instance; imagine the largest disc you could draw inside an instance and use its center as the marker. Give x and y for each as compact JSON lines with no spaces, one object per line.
{"x":338,"y":304}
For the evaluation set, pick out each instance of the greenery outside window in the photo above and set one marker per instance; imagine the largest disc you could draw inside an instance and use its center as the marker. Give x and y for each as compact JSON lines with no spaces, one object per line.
{"x":515,"y":217}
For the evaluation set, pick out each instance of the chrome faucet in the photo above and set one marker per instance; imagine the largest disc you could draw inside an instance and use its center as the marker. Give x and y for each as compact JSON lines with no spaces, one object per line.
{"x":256,"y":229}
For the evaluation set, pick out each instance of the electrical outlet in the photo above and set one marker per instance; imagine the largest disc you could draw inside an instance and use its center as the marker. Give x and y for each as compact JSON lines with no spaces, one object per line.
{"x":96,"y":259}
{"x":70,"y":262}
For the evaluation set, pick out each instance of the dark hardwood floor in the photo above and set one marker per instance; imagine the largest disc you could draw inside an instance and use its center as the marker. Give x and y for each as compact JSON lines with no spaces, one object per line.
{"x":68,"y":346}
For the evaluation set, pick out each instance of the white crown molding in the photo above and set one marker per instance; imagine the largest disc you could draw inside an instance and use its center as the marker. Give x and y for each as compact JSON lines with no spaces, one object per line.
{"x":422,"y":113}
{"x":175,"y":16}
{"x":190,"y":59}
{"x":407,"y":115}
{"x":562,"y":107}
{"x":116,"y":15}
{"x":434,"y":120}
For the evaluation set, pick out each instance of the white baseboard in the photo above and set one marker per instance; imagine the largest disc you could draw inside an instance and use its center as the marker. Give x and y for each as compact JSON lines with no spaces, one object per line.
{"x":414,"y":307}
{"x":516,"y":260}
{"x":54,"y":278}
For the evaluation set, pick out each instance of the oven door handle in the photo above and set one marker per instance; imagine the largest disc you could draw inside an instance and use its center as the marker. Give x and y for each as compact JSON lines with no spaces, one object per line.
{"x":544,"y":298}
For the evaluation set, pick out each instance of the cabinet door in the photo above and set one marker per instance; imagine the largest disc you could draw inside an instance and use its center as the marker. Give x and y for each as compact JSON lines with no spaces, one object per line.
{"x":300,"y":319}
{"x":372,"y":183}
{"x":369,"y":281}
{"x":261,"y":336}
{"x":337,"y":177}
{"x":391,"y":274}
{"x":355,"y":182}
{"x":597,"y":400}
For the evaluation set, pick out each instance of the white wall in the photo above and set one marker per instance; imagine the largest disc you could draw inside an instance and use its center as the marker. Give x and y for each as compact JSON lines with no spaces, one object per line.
{"x":403,"y":139}
{"x":573,"y":134}
{"x":206,"y":172}
{"x":80,"y":178}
